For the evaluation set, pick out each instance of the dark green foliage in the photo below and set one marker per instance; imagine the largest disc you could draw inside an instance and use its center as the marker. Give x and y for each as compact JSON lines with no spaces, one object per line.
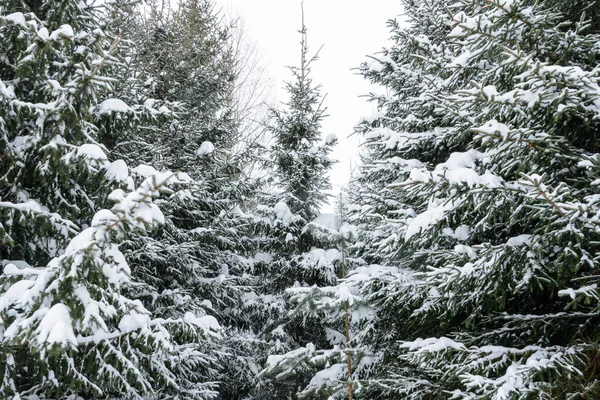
{"x":478,"y":190}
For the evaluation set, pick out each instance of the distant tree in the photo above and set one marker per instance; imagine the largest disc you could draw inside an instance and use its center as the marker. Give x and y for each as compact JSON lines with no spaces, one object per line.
{"x":301,"y":161}
{"x":298,"y":252}
{"x":202,"y":258}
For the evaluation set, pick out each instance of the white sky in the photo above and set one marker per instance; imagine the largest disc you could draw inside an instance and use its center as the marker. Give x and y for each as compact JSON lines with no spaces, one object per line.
{"x":349,"y":30}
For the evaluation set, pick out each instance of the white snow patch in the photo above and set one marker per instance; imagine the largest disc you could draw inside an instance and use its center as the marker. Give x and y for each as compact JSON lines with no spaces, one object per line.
{"x":208,"y":323}
{"x":519,"y":241}
{"x":56,"y":326}
{"x":64,"y":32}
{"x":17,"y":19}
{"x":133,"y":322}
{"x":328,"y":220}
{"x":349,"y":231}
{"x":322,"y":257}
{"x":91,"y":152}
{"x":263,"y":257}
{"x":205,"y":148}
{"x":461,"y":233}
{"x":110,"y":106}
{"x":18,"y":293}
{"x":328,"y":376}
{"x":588,"y":291}
{"x":43,"y":33}
{"x":431,"y":216}
{"x":116,"y":195}
{"x":332,"y":137}
{"x":104,"y":217}
{"x":145,"y":170}
{"x":282,"y":211}
{"x":432,"y":345}
{"x":117,"y":170}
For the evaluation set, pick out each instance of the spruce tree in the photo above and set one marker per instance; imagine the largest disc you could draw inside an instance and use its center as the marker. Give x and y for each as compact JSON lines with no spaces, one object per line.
{"x":483,"y":213}
{"x":298,"y":253}
{"x":67,"y":324}
{"x":301,"y":162}
{"x":202,"y":258}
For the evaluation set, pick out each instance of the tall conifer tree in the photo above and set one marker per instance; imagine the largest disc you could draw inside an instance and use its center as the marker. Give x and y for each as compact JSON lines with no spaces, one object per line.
{"x":67,"y":325}
{"x":299,"y":252}
{"x":478,"y":197}
{"x":201,"y":260}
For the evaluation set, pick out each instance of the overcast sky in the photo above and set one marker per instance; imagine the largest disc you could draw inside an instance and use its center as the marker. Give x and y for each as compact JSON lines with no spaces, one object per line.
{"x":348,"y":29}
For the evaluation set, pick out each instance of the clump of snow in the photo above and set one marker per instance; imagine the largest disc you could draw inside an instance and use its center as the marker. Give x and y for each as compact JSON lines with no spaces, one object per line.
{"x":104,"y":217}
{"x":493,"y":127}
{"x":328,"y":220}
{"x":458,"y":169}
{"x":348,"y":231}
{"x":8,"y":92}
{"x":322,"y":257}
{"x":588,"y":291}
{"x":332,"y":137}
{"x":133,"y":322}
{"x":13,"y":268}
{"x":434,"y":213}
{"x":464,"y":24}
{"x":110,"y":106}
{"x":283,"y":212}
{"x":27,"y":206}
{"x":328,"y":376}
{"x":91,"y":152}
{"x":117,"y":171}
{"x":263,"y":257}
{"x":461,"y":61}
{"x":183,"y":177}
{"x":81,"y":241}
{"x":519,"y":241}
{"x":64,"y":32}
{"x":43,"y":33}
{"x":116,"y":195}
{"x":208,"y":323}
{"x":18,"y":293}
{"x":344,"y":294}
{"x":461,"y":233}
{"x":205,"y":148}
{"x":462,"y":249}
{"x":17,"y":19}
{"x":369,"y":119}
{"x":278,"y":332}
{"x":432,"y":345}
{"x":461,"y":160}
{"x":145,"y":170}
{"x":56,"y":326}
{"x":585,"y":164}
{"x":118,"y":270}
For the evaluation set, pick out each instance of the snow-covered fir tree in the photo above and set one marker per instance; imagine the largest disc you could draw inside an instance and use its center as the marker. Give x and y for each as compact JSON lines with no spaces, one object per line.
{"x":67,"y":325}
{"x":472,"y":272}
{"x":324,"y":368}
{"x":202,"y":258}
{"x":297,"y":252}
{"x":478,"y":198}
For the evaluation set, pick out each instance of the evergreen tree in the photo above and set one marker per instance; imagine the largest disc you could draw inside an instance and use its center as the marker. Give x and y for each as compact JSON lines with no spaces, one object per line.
{"x":67,"y":325}
{"x":202,"y":258}
{"x":298,"y":251}
{"x":301,"y":163}
{"x":477,"y":196}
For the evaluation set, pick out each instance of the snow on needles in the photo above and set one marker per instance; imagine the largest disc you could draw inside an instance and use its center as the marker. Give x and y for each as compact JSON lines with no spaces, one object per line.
{"x":110,"y":106}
